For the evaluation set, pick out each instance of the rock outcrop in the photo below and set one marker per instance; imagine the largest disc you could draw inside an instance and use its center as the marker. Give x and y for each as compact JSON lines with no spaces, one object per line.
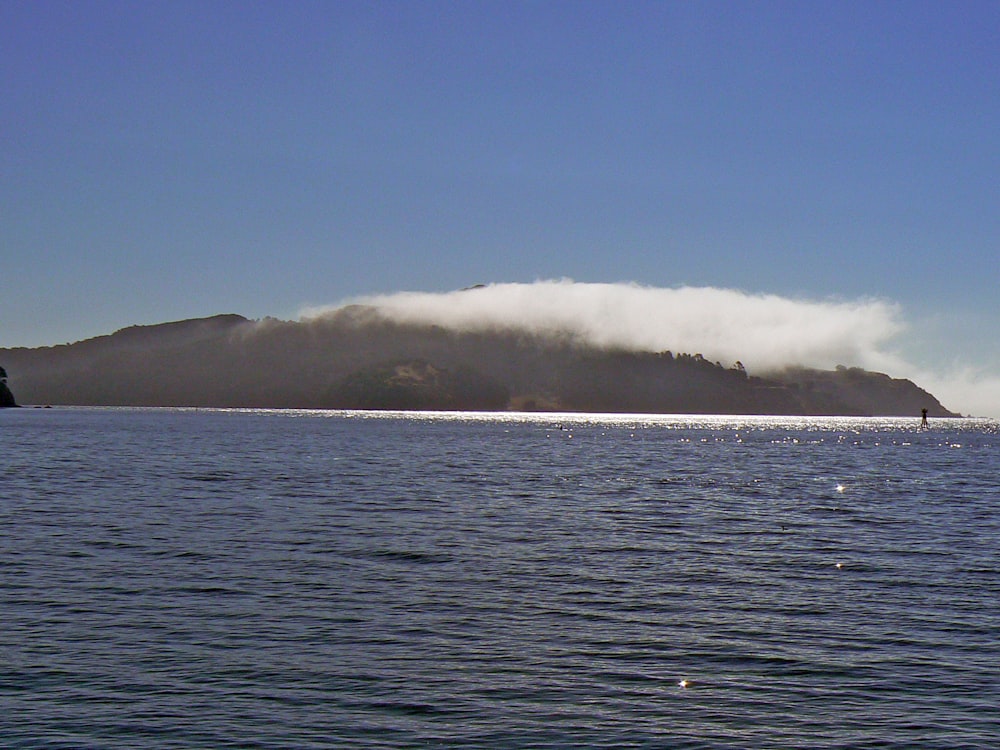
{"x":6,"y":397}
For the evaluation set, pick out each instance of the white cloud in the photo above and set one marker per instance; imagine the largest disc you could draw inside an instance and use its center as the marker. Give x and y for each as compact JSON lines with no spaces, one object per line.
{"x":764,"y":331}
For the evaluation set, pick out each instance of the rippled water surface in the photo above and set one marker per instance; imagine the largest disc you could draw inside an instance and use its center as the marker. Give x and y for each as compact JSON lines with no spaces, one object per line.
{"x":211,"y":579}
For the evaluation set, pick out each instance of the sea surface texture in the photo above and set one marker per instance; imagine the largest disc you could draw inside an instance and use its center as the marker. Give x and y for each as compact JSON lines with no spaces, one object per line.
{"x":283,"y":579}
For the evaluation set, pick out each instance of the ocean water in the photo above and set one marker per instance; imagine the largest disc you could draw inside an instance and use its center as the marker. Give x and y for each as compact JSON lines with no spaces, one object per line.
{"x":286,"y":579}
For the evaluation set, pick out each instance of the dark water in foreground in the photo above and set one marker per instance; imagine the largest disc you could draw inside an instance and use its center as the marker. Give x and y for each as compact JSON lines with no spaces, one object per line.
{"x":200,"y":579}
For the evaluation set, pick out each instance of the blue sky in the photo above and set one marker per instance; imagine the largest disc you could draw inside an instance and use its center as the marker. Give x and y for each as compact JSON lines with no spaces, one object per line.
{"x":167,"y":160}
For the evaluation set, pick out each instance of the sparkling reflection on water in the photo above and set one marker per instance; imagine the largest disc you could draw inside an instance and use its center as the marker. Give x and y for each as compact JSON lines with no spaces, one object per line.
{"x":233,"y":578}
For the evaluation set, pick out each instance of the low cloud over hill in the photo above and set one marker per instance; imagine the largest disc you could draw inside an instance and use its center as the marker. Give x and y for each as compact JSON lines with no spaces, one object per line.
{"x":562,"y":346}
{"x":765,"y":332}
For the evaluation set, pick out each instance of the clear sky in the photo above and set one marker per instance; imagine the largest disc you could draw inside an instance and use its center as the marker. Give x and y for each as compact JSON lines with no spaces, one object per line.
{"x":168,"y":160}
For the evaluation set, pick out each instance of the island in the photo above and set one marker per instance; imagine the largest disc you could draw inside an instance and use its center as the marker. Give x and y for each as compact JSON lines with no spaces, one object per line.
{"x":356,"y":358}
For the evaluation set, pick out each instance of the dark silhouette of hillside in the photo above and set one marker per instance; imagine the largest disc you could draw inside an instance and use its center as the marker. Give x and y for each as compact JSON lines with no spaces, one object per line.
{"x":419,"y":385}
{"x":357,"y":359}
{"x":6,"y":397}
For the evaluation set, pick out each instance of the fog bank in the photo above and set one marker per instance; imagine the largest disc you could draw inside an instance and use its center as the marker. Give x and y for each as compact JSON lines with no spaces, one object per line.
{"x":763,"y":331}
{"x":766,"y":332}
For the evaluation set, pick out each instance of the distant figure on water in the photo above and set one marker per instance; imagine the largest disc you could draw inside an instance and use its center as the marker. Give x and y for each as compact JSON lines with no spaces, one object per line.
{"x":923,"y":418}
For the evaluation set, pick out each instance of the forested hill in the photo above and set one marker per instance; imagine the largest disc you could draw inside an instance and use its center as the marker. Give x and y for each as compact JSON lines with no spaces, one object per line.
{"x":356,"y":359}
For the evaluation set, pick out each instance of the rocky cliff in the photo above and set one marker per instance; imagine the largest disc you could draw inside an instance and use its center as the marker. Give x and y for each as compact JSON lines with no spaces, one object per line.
{"x":6,"y":397}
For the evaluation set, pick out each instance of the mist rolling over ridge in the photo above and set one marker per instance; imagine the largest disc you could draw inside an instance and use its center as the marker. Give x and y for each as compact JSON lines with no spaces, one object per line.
{"x":551,"y":345}
{"x":765,"y":332}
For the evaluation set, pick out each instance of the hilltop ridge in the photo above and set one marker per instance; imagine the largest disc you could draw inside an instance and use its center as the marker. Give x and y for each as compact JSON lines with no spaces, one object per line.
{"x":355,"y":358}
